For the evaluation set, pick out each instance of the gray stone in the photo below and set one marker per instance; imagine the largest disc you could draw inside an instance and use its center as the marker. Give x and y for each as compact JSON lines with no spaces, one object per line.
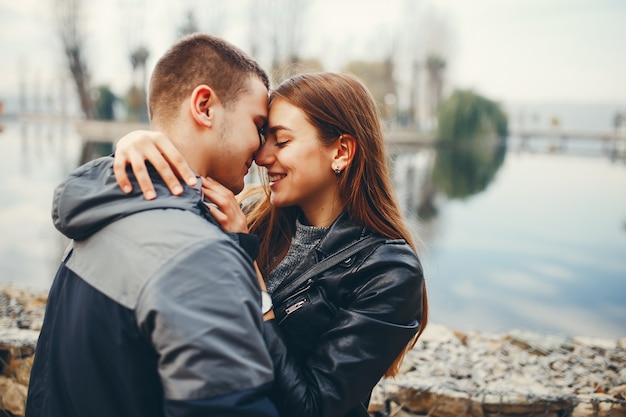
{"x":518,"y":373}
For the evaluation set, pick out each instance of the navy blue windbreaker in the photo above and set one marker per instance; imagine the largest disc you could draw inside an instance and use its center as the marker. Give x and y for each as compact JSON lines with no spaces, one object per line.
{"x":154,"y":311}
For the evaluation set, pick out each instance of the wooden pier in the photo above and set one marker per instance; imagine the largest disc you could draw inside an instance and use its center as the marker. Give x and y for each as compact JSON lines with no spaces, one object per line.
{"x":106,"y":131}
{"x":97,"y":133}
{"x":602,"y":135}
{"x":613,"y":142}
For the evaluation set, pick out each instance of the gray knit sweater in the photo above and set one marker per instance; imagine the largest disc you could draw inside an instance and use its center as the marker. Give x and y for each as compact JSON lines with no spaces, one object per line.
{"x":305,"y":239}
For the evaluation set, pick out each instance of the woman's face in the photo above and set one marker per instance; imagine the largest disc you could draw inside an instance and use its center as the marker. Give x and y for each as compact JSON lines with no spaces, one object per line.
{"x":298,"y":164}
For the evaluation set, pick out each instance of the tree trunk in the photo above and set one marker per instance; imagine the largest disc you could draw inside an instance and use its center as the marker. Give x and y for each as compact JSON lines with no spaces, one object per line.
{"x":67,"y":15}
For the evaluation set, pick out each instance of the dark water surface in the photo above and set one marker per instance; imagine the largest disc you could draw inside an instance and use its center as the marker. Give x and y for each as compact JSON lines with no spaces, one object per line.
{"x":534,"y":240}
{"x":513,"y":237}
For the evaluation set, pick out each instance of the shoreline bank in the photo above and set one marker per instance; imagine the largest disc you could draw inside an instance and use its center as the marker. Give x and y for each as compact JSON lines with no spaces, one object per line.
{"x":447,"y":374}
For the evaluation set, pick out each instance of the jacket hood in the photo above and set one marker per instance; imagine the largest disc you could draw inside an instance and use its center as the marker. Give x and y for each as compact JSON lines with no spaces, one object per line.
{"x":89,"y":199}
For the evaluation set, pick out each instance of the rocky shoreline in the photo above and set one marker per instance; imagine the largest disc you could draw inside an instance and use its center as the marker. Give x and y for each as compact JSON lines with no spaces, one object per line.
{"x":21,"y":317}
{"x":519,"y":373}
{"x":447,"y":374}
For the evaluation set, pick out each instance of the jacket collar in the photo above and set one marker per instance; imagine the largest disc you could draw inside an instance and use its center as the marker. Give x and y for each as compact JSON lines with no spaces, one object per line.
{"x":343,"y":231}
{"x":89,"y":199}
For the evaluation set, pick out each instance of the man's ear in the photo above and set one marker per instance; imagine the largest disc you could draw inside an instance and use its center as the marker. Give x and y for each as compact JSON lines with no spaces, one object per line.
{"x":201,"y":105}
{"x":344,"y":148}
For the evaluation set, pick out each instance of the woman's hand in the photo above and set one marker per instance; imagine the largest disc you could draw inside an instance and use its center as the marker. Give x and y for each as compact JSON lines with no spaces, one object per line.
{"x":224,"y":207}
{"x":144,"y":145}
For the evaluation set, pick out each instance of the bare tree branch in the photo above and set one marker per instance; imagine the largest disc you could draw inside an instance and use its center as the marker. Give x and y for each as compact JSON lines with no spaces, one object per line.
{"x":67,"y":16}
{"x":286,"y":34}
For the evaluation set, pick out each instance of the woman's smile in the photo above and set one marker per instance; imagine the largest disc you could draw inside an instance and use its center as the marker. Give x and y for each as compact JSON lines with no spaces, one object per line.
{"x":274,"y":178}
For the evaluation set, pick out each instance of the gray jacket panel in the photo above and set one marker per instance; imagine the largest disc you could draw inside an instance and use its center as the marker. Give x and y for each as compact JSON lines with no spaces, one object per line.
{"x":192,"y":288}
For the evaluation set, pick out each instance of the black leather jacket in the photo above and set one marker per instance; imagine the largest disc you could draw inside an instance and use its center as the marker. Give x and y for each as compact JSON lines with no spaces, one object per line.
{"x":342,"y":317}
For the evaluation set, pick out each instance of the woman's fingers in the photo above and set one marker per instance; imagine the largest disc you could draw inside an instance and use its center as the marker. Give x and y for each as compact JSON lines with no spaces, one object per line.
{"x":176,"y":162}
{"x":230,"y":222}
{"x":140,"y":169}
{"x":158,"y":160}
{"x":224,"y":207}
{"x":155,"y":147}
{"x":119,"y":170}
{"x":123,"y":157}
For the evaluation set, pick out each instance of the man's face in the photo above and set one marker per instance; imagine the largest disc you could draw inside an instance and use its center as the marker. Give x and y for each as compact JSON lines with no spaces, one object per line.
{"x":239,"y":136}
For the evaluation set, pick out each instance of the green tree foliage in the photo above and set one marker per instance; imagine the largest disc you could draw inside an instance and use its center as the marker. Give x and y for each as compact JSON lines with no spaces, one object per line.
{"x":470,"y":123}
{"x":466,"y":115}
{"x":105,"y":101}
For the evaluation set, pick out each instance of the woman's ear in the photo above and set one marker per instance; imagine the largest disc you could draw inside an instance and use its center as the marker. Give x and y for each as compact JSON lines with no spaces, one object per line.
{"x":345,"y":147}
{"x":201,"y":104}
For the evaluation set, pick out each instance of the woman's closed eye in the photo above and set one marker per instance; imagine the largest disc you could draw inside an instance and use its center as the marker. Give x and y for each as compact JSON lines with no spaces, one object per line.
{"x":278,"y":140}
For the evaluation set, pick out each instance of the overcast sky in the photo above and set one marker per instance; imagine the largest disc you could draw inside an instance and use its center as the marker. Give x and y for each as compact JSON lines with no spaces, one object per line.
{"x":508,"y":50}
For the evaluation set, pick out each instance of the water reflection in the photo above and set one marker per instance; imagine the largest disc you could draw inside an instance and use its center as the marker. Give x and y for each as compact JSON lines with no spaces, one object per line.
{"x":463,"y":172}
{"x":451,"y":172}
{"x":517,"y":239}
{"x":34,"y":157}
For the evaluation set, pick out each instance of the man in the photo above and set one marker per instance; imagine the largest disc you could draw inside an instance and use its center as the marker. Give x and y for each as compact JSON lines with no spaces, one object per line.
{"x":154,"y":310}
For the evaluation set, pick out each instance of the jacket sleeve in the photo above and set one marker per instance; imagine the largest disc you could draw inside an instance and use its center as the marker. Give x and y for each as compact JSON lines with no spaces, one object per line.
{"x":361,"y":343}
{"x":202,"y":316}
{"x":89,"y":198}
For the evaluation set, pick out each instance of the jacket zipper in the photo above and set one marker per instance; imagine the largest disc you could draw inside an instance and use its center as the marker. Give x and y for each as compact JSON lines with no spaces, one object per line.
{"x":295,"y":307}
{"x":304,"y":288}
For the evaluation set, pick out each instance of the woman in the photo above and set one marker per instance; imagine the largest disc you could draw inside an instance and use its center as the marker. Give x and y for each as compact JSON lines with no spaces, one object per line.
{"x":346,"y":283}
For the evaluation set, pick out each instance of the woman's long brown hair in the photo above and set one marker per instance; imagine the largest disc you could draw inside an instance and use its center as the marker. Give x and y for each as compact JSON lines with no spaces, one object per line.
{"x":339,"y":104}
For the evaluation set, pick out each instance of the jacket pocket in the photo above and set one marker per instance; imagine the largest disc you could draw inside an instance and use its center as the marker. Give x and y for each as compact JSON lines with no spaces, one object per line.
{"x":305,"y":315}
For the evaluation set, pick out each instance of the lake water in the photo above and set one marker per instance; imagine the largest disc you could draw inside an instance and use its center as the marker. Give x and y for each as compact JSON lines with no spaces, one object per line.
{"x":34,"y":158}
{"x":535,"y":240}
{"x":516,"y":237}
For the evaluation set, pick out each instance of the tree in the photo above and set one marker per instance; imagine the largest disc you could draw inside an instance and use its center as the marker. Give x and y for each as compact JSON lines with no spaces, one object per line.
{"x":189,"y":26}
{"x":435,"y":65}
{"x":469,"y":123}
{"x":67,"y":15}
{"x":213,"y":23}
{"x":414,"y":94}
{"x":138,"y":59}
{"x":137,"y":106}
{"x":467,"y":116}
{"x":105,"y":103}
{"x":423,"y":33}
{"x":286,"y":35}
{"x":377,"y":75}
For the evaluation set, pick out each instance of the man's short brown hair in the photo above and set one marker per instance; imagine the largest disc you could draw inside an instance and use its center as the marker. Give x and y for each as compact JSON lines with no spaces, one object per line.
{"x":195,"y":60}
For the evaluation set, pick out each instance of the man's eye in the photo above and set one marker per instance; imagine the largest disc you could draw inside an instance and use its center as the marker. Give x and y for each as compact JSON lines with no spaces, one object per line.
{"x":261,"y":132}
